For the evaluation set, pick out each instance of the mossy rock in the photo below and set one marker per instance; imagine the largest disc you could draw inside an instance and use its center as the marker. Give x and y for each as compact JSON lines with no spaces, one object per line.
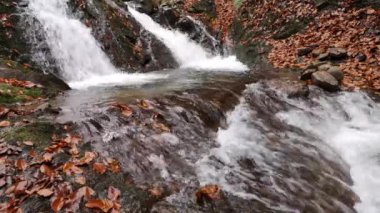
{"x":39,"y":133}
{"x":10,"y":94}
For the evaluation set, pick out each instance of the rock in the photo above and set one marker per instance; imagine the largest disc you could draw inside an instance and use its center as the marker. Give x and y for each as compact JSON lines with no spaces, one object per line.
{"x":315,"y":64}
{"x":315,"y":53}
{"x":337,"y":53}
{"x":323,"y":56}
{"x":306,"y":74}
{"x":304,"y":51}
{"x":361,"y":57}
{"x":324,"y":67}
{"x":325,"y":81}
{"x":336,"y":72}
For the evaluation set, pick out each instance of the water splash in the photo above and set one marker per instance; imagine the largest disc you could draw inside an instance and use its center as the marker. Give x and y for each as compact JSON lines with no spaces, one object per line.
{"x":188,"y":53}
{"x":77,"y":53}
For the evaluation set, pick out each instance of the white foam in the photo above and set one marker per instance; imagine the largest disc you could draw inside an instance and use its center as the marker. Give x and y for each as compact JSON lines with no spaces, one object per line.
{"x":188,"y":53}
{"x":350,"y":123}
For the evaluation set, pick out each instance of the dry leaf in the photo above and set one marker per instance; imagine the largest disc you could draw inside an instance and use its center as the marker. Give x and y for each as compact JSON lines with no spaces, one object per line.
{"x":104,"y":205}
{"x":20,"y":164}
{"x":113,"y":193}
{"x":57,"y":204}
{"x":45,"y":192}
{"x":155,"y":191}
{"x":28,"y":143}
{"x":80,"y":180}
{"x":5,"y":123}
{"x":208,"y":192}
{"x":99,"y":168}
{"x":87,"y":158}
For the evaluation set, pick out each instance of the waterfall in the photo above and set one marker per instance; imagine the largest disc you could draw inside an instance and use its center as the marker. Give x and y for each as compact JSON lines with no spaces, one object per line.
{"x":188,"y":53}
{"x":344,"y":129}
{"x":77,"y":53}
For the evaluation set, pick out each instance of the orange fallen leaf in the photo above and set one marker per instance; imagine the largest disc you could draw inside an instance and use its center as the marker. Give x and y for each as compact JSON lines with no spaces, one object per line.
{"x":28,"y":143}
{"x":20,"y":164}
{"x":45,"y":192}
{"x":47,"y":171}
{"x":104,"y":205}
{"x":86,"y":191}
{"x":5,"y":123}
{"x":80,"y":180}
{"x":99,"y":168}
{"x":57,"y":203}
{"x":48,"y":157}
{"x":208,"y":192}
{"x":70,"y":167}
{"x":155,"y":191}
{"x":87,"y":158}
{"x":114,"y":164}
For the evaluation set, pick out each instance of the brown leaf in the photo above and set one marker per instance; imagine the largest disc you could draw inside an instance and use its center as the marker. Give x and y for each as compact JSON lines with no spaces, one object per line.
{"x":155,"y":191}
{"x":208,"y":192}
{"x":20,"y":164}
{"x":144,"y":104}
{"x":104,"y":205}
{"x":48,"y":157}
{"x":28,"y":143}
{"x":45,"y":192}
{"x":5,"y":123}
{"x":57,"y":203}
{"x":20,"y":187}
{"x":47,"y":171}
{"x":87,"y":158}
{"x":70,"y":167}
{"x":99,"y":168}
{"x":2,"y":182}
{"x":113,"y":193}
{"x":86,"y":192}
{"x":114,"y":164}
{"x":80,"y":180}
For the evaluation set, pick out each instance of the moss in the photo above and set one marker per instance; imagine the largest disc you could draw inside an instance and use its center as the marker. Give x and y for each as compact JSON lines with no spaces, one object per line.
{"x":252,"y":53}
{"x":40,"y":133}
{"x":10,"y":94}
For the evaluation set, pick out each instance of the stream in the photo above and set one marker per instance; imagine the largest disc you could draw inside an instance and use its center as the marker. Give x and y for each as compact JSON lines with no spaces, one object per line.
{"x":268,"y":147}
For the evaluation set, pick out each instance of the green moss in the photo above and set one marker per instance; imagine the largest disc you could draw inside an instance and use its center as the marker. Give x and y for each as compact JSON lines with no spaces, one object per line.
{"x":238,"y":3}
{"x":40,"y":133}
{"x":10,"y":94}
{"x":252,"y":53}
{"x":204,"y":6}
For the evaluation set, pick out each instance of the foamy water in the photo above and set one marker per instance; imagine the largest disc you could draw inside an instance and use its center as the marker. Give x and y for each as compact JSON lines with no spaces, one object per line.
{"x":188,"y":53}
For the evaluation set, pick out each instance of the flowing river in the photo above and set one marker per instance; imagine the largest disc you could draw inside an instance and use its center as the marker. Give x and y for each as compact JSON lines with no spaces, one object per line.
{"x":268,"y":149}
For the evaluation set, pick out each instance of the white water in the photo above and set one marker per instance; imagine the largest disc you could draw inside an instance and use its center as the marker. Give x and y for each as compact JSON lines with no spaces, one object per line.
{"x":78,"y":55}
{"x":349,"y":124}
{"x":188,"y":53}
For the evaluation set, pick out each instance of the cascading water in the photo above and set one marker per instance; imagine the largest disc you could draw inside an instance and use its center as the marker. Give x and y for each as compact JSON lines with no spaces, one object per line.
{"x":81,"y":61}
{"x":188,"y":53}
{"x":320,"y":129}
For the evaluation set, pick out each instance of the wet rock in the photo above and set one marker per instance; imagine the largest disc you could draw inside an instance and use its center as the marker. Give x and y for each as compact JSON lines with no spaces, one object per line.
{"x":204,"y":6}
{"x":323,"y":56}
{"x":306,"y":74}
{"x":316,"y":52}
{"x":337,"y":53}
{"x":336,"y":72}
{"x":325,"y":80}
{"x":304,"y":51}
{"x":361,"y":57}
{"x":315,"y":64}
{"x":324,"y":67}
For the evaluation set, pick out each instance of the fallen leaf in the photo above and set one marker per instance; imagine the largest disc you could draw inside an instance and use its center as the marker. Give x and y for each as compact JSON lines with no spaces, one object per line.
{"x":48,"y":157}
{"x":86,"y":191}
{"x":70,"y":167}
{"x":80,"y":180}
{"x":5,"y":123}
{"x":57,"y":203}
{"x":208,"y":192}
{"x":99,"y":168}
{"x":28,"y":143}
{"x":87,"y":158}
{"x":155,"y":191}
{"x":20,"y":164}
{"x":2,"y":182}
{"x":47,"y":171}
{"x":45,"y":192}
{"x":114,"y":164}
{"x":104,"y":205}
{"x":113,"y":193}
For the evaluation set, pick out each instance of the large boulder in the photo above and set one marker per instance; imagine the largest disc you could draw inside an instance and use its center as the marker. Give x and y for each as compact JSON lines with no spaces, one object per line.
{"x":325,"y":80}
